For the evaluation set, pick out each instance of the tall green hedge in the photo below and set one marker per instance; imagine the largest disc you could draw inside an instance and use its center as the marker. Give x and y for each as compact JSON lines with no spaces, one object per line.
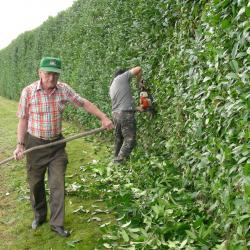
{"x":195,"y":57}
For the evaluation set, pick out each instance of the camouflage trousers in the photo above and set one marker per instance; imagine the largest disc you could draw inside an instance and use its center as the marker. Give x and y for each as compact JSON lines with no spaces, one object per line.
{"x":125,"y":134}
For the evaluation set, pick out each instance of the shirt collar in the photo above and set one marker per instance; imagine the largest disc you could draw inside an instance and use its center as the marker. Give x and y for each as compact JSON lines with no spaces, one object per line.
{"x":39,"y":86}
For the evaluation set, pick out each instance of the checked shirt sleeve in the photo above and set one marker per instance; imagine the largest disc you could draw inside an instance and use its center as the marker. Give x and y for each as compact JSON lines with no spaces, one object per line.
{"x":22,"y":111}
{"x":74,"y":98}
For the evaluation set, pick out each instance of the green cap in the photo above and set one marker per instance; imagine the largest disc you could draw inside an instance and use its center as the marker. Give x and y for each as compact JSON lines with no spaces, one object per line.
{"x":51,"y":64}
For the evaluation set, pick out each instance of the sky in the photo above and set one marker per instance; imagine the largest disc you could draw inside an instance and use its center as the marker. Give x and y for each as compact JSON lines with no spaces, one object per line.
{"x":18,"y":16}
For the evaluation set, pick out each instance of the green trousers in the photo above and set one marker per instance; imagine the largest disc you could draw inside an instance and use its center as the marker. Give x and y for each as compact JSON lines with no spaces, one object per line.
{"x":52,"y":160}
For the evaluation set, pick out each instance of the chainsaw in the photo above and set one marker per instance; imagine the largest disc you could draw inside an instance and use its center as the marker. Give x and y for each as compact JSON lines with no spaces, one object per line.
{"x":146,"y":99}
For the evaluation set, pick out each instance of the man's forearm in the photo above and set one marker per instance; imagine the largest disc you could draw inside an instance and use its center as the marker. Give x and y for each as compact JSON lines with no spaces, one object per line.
{"x":137,"y":72}
{"x":139,"y":77}
{"x":21,"y":130}
{"x":92,"y":109}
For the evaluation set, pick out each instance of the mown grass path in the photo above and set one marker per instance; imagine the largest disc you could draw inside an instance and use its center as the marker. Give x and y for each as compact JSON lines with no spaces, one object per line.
{"x":15,"y":211}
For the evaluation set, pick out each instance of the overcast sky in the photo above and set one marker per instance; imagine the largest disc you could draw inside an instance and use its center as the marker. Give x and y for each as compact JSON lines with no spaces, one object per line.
{"x":18,"y":16}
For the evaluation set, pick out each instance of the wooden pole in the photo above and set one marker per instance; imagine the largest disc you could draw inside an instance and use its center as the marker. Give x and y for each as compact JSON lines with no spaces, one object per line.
{"x":91,"y":132}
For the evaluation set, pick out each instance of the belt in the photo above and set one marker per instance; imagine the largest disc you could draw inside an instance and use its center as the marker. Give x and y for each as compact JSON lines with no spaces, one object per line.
{"x":124,"y":111}
{"x":52,"y":138}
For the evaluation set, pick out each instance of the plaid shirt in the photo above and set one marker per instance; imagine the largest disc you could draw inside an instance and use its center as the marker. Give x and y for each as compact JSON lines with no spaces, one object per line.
{"x":44,"y":111}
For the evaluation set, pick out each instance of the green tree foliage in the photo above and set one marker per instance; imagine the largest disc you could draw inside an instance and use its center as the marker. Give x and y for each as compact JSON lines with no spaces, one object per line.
{"x":195,"y":57}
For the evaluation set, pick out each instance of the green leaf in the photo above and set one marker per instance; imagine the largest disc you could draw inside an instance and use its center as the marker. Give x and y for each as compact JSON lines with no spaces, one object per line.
{"x":241,"y":11}
{"x":248,"y":11}
{"x":235,"y":50}
{"x":244,"y":217}
{"x":72,"y":242}
{"x":234,"y":65}
{"x":122,"y":217}
{"x":240,"y":230}
{"x":134,"y":230}
{"x":246,"y":169}
{"x":106,"y":245}
{"x":243,"y":159}
{"x":225,"y":24}
{"x":191,"y":234}
{"x":247,"y":190}
{"x":105,"y":224}
{"x":183,"y":243}
{"x":231,"y":75}
{"x":95,"y":218}
{"x":207,"y":78}
{"x":125,"y":236}
{"x":126,"y":224}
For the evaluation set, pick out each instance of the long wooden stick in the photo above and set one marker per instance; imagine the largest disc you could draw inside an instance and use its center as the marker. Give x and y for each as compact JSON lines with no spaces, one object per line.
{"x":91,"y":132}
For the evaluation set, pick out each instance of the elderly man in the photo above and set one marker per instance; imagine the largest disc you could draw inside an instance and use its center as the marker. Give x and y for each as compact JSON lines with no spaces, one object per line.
{"x":40,"y":121}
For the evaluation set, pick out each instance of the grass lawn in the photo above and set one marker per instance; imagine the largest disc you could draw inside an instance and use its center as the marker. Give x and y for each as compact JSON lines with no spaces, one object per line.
{"x":85,"y":210}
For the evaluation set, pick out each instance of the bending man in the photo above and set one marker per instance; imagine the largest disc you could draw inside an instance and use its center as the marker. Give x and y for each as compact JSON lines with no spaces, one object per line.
{"x":123,"y":110}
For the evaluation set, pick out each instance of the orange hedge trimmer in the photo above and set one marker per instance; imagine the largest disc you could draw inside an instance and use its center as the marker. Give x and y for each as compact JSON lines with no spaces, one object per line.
{"x":146,"y":99}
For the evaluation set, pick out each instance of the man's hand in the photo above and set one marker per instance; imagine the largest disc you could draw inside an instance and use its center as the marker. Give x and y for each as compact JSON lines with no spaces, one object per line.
{"x":139,"y":109}
{"x":107,"y":123}
{"x":141,"y":84}
{"x":18,"y":153}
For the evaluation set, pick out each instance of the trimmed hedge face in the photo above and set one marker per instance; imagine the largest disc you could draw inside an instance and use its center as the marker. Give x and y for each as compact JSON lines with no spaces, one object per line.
{"x":195,"y":57}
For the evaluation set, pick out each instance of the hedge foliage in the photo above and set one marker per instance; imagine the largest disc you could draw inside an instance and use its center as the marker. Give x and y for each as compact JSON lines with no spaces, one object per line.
{"x":194,"y":155}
